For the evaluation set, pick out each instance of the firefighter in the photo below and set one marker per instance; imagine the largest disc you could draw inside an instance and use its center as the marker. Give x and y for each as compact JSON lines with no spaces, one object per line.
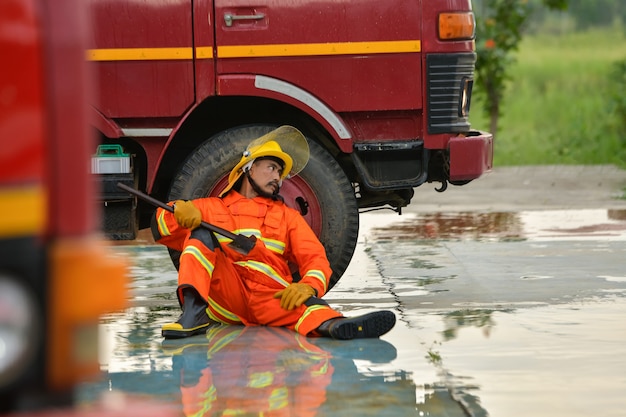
{"x":219,"y":284}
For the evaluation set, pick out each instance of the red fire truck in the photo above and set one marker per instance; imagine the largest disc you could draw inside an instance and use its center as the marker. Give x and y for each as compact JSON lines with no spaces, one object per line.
{"x":56,"y":277}
{"x":381,"y":89}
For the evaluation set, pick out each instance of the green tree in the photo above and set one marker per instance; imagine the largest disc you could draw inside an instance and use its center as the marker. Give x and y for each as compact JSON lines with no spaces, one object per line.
{"x":499,"y":30}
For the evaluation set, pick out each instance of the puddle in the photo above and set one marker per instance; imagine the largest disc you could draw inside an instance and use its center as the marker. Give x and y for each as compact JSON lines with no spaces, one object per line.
{"x":575,"y":224}
{"x":485,"y":226}
{"x":499,"y":314}
{"x":506,"y":226}
{"x":509,"y":304}
{"x":237,"y":370}
{"x":564,"y":360}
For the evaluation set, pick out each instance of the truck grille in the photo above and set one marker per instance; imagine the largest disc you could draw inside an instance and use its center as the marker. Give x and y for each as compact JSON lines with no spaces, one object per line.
{"x":448,"y":75}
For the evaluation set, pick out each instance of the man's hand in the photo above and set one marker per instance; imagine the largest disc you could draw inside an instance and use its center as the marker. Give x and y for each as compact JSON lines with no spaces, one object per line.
{"x":294,"y":295}
{"x":187,"y":214}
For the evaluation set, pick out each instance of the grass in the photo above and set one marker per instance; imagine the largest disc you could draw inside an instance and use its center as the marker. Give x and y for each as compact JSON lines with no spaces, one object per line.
{"x":557,"y":107}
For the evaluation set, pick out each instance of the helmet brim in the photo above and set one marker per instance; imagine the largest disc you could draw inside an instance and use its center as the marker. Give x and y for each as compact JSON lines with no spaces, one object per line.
{"x":294,"y":151}
{"x":292,"y":142}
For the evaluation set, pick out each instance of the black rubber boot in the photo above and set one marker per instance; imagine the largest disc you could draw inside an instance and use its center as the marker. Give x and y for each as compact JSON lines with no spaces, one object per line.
{"x":194,"y":319}
{"x":369,"y":325}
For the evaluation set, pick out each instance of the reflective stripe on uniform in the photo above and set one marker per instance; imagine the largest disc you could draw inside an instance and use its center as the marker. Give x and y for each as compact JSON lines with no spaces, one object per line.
{"x":265,"y":269}
{"x":214,"y":307}
{"x":308,"y":311}
{"x":195,"y":252}
{"x":318,"y":275}
{"x":163,"y":229}
{"x":273,"y":245}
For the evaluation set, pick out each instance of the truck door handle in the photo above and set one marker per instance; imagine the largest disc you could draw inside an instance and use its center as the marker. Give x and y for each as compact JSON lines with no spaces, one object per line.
{"x":229,"y":18}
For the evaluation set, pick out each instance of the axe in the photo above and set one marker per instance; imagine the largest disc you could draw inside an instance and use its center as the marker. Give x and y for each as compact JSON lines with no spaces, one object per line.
{"x":241,"y":243}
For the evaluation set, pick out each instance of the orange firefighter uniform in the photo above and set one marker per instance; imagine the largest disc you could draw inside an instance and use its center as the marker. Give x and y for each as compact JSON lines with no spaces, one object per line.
{"x":240,"y":288}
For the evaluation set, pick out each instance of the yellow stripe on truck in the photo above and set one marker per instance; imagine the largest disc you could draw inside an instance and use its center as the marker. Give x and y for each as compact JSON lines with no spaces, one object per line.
{"x":253,"y":51}
{"x":140,"y":54}
{"x":308,"y":49}
{"x":22,"y":211}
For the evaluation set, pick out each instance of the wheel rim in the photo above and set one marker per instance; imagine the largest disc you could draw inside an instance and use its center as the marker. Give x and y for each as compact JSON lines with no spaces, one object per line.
{"x":297,"y":194}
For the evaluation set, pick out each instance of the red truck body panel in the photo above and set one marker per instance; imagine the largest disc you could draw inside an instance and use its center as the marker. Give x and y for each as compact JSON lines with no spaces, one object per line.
{"x":144,"y":85}
{"x":21,"y":161}
{"x":52,"y":260}
{"x":38,"y":118}
{"x":353,"y":56}
{"x":344,"y":54}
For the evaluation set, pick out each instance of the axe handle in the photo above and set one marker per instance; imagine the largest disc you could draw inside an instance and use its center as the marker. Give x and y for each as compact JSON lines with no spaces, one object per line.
{"x":164,"y":206}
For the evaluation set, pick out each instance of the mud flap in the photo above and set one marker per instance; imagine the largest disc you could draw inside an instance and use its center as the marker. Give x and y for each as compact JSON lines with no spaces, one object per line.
{"x":119,"y":220}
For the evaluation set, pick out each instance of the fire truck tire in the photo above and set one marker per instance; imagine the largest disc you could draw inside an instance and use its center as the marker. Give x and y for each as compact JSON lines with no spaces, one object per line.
{"x":322,"y":191}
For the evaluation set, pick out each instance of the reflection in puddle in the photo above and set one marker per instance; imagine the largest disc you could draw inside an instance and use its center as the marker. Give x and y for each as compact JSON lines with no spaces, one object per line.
{"x":464,"y":226}
{"x":534,"y":277}
{"x":508,"y":226}
{"x":236,"y":370}
{"x":575,"y":224}
{"x":455,"y":320}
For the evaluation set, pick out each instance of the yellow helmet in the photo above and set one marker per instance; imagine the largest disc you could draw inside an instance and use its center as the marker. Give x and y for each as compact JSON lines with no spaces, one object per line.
{"x":268,"y":145}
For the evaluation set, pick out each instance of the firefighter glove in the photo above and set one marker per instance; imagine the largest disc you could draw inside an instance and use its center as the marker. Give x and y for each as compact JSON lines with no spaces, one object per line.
{"x":187,"y":214}
{"x":294,"y":295}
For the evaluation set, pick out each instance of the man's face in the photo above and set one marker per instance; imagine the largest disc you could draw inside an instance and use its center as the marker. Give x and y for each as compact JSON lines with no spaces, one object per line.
{"x":266,"y":174}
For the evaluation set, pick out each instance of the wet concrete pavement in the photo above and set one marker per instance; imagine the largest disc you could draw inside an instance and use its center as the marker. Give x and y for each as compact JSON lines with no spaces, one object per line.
{"x":510,"y":295}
